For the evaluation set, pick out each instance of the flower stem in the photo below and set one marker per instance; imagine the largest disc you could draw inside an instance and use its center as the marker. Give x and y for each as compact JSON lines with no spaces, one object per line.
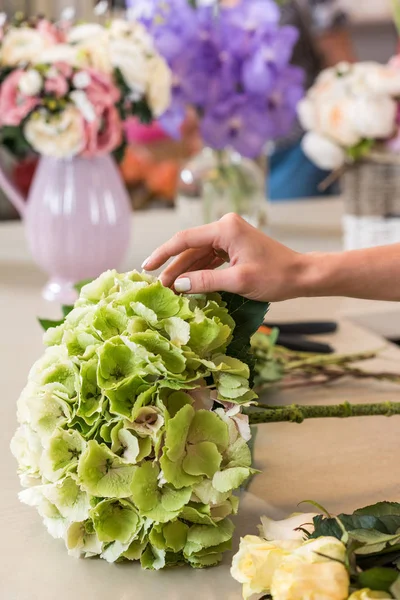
{"x":297,"y":414}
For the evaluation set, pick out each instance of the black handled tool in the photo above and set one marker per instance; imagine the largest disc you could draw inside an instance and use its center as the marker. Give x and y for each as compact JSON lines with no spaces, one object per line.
{"x":305,"y":328}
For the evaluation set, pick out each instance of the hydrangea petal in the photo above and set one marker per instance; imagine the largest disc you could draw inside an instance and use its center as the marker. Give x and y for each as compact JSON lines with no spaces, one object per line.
{"x":230,"y":479}
{"x":160,"y":300}
{"x":62,"y":453}
{"x":202,"y":459}
{"x":81,"y":543}
{"x":115,"y":520}
{"x":102,"y":473}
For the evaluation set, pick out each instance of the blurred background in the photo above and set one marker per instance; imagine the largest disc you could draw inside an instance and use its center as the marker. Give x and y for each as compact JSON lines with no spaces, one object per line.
{"x":332,"y":31}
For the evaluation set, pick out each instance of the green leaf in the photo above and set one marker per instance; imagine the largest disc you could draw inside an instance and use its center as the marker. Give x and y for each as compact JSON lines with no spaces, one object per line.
{"x":373,"y":541}
{"x":378,"y":578}
{"x":360,"y":150}
{"x":381,"y":509}
{"x":47,"y":324}
{"x":81,"y":284}
{"x":388,"y":524}
{"x":66,"y":310}
{"x":248,"y":315}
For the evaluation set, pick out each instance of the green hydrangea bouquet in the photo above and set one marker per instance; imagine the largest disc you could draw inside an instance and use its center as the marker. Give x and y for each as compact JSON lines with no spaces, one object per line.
{"x":131,"y":440}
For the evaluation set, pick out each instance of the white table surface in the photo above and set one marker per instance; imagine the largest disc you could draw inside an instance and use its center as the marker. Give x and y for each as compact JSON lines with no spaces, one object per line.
{"x":342,"y":464}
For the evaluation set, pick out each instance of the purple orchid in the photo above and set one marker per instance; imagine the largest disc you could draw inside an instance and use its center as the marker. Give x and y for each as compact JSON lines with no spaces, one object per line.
{"x":232,"y":65}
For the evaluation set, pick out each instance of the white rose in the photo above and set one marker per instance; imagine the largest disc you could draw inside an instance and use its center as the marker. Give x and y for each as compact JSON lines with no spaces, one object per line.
{"x":159,"y":85}
{"x":336,"y":120}
{"x":307,"y":113}
{"x":120,"y":27}
{"x":59,"y":53}
{"x":256,"y":562}
{"x":135,"y":32}
{"x":375,"y":117}
{"x":323,"y":152}
{"x":81,"y":80}
{"x":383,"y":79}
{"x":83,"y":104}
{"x":83,"y":32}
{"x":95,"y":53}
{"x":287,"y":529}
{"x":59,"y":136}
{"x":132,"y":62}
{"x":22,"y":45}
{"x":31,"y":83}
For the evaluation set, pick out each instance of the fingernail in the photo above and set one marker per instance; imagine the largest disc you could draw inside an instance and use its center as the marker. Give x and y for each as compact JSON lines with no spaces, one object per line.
{"x":183,"y":284}
{"x":146,"y":262}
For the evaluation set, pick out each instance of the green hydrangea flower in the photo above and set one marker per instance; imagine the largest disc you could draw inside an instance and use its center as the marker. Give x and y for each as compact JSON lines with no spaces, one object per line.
{"x":131,"y":441}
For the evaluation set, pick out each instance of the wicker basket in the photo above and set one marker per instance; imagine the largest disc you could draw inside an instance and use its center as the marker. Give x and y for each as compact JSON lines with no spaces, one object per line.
{"x":371,"y":191}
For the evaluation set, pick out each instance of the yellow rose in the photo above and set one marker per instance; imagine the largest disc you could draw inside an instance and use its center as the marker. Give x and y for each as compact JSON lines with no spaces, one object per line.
{"x":255,"y":563}
{"x":297,"y":580}
{"x":321,"y":550}
{"x":366,"y":594}
{"x":313,"y":572}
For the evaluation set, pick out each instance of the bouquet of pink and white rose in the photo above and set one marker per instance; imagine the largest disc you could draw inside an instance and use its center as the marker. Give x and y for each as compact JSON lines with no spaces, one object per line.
{"x":67,"y":90}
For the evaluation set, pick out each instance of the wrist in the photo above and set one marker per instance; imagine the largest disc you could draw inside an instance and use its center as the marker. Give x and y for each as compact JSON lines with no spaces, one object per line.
{"x":316,"y":274}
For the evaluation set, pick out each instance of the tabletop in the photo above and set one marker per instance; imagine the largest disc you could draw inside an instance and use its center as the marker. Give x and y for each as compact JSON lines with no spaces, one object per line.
{"x":341,"y":464}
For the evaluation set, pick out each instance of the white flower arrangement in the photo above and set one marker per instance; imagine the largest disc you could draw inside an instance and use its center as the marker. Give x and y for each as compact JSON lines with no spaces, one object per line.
{"x":350,"y":109}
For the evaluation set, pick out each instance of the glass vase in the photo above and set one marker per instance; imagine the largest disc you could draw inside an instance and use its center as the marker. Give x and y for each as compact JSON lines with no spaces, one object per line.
{"x":215,"y":183}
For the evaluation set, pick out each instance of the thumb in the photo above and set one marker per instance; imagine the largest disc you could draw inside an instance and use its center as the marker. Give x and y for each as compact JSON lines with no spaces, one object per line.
{"x":201,"y":282}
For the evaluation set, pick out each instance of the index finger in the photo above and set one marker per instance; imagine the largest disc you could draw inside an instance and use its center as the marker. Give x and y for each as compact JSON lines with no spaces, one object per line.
{"x":198,"y":237}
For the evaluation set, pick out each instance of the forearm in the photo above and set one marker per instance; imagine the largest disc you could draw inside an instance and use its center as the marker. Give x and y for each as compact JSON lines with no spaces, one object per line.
{"x":373,"y":274}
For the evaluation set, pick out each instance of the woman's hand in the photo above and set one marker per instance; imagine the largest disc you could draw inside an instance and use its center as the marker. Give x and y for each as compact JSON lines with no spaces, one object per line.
{"x":259,"y":267}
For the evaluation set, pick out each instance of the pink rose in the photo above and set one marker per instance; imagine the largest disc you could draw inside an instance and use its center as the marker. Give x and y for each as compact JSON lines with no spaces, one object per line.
{"x":50,"y":32}
{"x":395,"y":61}
{"x":64,"y":69}
{"x":15,"y":106}
{"x":101,"y":91}
{"x":57,"y":84}
{"x":103,"y":134}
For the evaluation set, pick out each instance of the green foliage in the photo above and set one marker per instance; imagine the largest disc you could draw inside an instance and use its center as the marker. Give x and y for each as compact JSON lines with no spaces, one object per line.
{"x":248,"y":316}
{"x":13,"y":139}
{"x":361,"y":150}
{"x":372,"y":538}
{"x":378,"y":578}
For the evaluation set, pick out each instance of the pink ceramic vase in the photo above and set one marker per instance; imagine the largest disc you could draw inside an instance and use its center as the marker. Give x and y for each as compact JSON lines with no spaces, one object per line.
{"x":77,"y":220}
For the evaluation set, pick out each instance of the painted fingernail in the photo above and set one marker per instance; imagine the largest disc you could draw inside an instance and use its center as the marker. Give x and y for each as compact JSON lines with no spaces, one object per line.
{"x":183,"y":284}
{"x":146,"y":262}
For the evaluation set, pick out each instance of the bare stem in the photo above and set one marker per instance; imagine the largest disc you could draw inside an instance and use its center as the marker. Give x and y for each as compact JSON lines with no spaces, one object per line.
{"x":298,"y":414}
